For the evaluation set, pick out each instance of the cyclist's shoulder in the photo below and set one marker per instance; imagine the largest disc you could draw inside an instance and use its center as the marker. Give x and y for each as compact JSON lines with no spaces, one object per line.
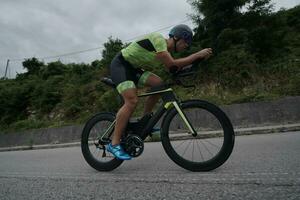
{"x":158,"y":41}
{"x":155,"y":35}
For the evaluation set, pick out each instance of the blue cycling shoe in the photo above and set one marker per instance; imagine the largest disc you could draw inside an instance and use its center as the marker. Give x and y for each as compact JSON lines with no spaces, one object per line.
{"x":118,"y":152}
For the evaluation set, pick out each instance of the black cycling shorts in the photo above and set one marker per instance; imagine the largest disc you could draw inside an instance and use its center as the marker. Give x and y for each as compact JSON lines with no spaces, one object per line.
{"x":125,"y":76}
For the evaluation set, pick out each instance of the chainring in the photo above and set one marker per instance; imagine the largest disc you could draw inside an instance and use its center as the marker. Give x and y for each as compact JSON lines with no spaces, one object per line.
{"x":133,"y":145}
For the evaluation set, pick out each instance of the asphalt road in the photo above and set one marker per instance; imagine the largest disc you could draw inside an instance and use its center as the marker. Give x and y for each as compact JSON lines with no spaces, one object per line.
{"x":260,"y":167}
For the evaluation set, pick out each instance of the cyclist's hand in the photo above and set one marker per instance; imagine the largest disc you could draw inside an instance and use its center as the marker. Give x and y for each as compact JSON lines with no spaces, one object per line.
{"x":204,"y":53}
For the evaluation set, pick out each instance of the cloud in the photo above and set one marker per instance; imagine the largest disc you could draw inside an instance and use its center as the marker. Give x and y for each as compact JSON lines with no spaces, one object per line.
{"x":53,"y":27}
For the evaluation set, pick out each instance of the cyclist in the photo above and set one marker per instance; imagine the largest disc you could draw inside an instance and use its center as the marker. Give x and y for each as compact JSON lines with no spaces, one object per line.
{"x":127,"y":73}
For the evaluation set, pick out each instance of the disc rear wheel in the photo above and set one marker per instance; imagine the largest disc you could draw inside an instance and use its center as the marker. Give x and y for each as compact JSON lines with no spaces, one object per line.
{"x":94,"y":142}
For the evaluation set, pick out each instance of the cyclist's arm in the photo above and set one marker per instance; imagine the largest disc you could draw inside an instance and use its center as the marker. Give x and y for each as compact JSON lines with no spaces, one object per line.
{"x":166,"y":58}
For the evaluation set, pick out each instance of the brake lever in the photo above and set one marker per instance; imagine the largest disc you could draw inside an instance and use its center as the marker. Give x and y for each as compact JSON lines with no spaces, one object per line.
{"x":186,"y":71}
{"x":190,"y":69}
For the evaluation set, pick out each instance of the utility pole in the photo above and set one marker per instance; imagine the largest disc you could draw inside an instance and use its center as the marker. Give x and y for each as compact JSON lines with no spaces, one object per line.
{"x":7,"y":64}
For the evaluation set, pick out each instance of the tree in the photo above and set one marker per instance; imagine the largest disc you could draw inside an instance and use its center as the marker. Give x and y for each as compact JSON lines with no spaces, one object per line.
{"x":52,"y":69}
{"x":214,"y":16}
{"x":261,"y":7}
{"x":32,"y":65}
{"x":111,"y":48}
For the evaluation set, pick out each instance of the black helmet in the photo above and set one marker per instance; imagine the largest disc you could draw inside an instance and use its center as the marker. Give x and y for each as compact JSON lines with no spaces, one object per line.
{"x":182,"y":31}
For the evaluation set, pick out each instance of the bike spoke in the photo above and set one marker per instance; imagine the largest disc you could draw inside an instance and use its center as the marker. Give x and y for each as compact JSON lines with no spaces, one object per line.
{"x":179,"y":144}
{"x":212,"y":144}
{"x":193,"y":151}
{"x":95,"y":150}
{"x":186,"y":149}
{"x":98,"y":154}
{"x":200,"y":150}
{"x":206,"y":148}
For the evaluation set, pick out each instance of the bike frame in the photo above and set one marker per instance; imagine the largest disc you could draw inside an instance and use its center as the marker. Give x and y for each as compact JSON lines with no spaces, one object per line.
{"x":169,"y":101}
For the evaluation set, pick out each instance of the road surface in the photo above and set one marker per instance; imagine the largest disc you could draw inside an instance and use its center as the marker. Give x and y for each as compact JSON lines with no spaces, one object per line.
{"x":260,"y":167}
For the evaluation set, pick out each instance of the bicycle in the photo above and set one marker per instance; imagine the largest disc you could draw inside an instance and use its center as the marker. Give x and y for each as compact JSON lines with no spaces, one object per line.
{"x":195,"y":123}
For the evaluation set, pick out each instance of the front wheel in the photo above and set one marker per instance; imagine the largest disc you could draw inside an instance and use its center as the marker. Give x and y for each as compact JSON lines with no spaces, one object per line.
{"x":94,"y":142}
{"x":214,"y":141}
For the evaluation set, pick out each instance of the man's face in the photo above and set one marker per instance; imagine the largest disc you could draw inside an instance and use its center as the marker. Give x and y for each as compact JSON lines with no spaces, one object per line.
{"x":181,"y":45}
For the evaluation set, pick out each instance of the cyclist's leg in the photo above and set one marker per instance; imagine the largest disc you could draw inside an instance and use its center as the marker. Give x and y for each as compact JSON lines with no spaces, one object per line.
{"x":123,"y":115}
{"x":150,"y":80}
{"x":123,"y":75}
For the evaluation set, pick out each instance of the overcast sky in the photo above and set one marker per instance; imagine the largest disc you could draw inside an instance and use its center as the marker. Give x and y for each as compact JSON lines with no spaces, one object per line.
{"x":44,"y":28}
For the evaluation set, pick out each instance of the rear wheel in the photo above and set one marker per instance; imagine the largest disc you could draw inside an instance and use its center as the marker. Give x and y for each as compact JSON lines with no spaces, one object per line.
{"x":214,"y":141}
{"x":93,"y":143}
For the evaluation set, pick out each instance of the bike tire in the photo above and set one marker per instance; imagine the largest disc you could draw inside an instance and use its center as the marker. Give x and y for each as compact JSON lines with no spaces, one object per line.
{"x":225,"y":128}
{"x":91,"y":159}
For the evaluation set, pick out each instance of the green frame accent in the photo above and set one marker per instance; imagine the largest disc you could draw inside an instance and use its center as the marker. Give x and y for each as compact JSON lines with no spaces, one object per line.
{"x":168,"y":105}
{"x":182,"y":115}
{"x":156,"y":92}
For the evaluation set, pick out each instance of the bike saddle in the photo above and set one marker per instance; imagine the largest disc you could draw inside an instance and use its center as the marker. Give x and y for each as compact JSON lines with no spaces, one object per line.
{"x":108,"y":82}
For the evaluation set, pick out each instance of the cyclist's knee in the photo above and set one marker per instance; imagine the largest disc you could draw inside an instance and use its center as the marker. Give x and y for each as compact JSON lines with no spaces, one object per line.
{"x":158,"y":81}
{"x":130,"y":99}
{"x":131,"y":102}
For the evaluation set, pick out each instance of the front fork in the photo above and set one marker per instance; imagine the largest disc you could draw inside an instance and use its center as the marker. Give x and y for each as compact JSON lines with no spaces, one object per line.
{"x":183,"y":117}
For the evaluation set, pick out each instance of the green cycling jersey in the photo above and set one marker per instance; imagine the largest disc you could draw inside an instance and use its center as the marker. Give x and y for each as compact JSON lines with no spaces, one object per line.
{"x":141,"y":53}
